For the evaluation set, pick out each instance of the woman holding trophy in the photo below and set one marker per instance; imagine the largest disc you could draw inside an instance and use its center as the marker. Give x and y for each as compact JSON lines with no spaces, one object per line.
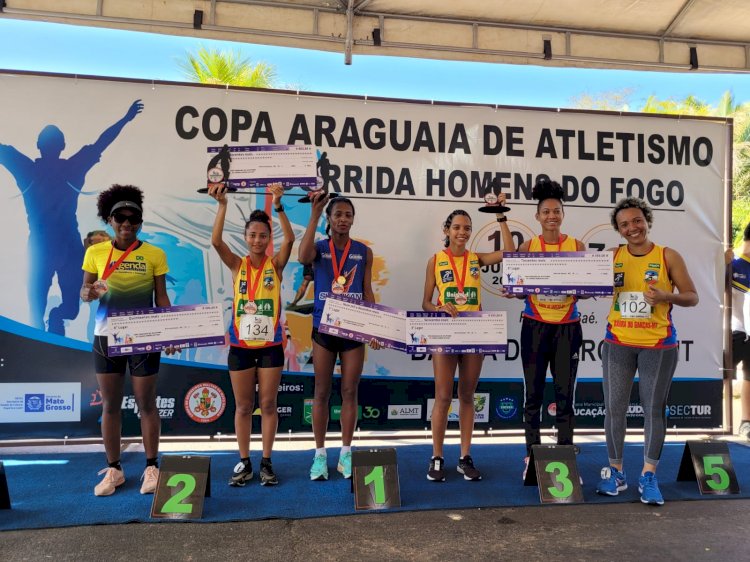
{"x":454,"y":272}
{"x":256,"y":355}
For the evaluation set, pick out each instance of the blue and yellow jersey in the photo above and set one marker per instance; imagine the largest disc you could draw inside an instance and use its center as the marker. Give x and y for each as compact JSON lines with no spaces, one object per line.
{"x":353,"y":269}
{"x":740,"y":290}
{"x":553,"y":309}
{"x":446,"y":283}
{"x":131,"y":285}
{"x":267,"y":299}
{"x":644,"y":325}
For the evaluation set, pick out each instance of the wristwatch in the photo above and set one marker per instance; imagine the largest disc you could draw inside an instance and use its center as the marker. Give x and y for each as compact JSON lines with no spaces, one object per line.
{"x":279,"y":209}
{"x":502,"y":219}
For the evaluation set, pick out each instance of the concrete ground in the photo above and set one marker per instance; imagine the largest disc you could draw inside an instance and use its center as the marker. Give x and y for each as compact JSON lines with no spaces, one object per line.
{"x":706,"y":530}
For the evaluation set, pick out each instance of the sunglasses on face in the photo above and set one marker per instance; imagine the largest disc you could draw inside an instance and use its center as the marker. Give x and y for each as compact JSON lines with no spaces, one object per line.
{"x":120,"y":218}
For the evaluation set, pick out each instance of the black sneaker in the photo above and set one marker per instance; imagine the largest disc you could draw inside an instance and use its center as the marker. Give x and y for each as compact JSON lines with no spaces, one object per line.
{"x":242,"y":474}
{"x":267,"y":475}
{"x":436,"y":473}
{"x":466,"y":467}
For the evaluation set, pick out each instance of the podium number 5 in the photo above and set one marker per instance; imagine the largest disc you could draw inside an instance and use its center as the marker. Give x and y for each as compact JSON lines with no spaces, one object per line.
{"x":375,"y":477}
{"x":712,"y":465}
{"x":174,"y":504}
{"x":560,"y":478}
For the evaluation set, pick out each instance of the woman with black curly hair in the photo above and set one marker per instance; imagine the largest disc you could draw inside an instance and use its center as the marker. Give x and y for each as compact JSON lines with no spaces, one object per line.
{"x":255,"y":352}
{"x":454,"y":273}
{"x":125,"y":273}
{"x":640,"y":337}
{"x":551,"y":333}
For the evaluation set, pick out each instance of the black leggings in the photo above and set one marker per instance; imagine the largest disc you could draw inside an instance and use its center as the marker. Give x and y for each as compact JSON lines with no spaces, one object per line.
{"x":555,"y":346}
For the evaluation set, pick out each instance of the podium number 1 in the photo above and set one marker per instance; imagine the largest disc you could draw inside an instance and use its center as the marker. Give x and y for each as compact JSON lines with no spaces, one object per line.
{"x":561,"y":477}
{"x":376,"y":477}
{"x":712,"y":465}
{"x":174,"y":504}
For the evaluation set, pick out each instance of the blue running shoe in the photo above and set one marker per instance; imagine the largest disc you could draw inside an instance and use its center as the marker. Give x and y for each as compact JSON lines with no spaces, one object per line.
{"x":649,"y":489}
{"x":612,"y":482}
{"x":319,"y":469}
{"x":345,"y":465}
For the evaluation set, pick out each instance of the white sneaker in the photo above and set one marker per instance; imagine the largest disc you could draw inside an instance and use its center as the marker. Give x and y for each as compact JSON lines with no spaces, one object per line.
{"x":112,"y":479}
{"x":525,"y":468}
{"x":744,"y":430}
{"x":150,"y":477}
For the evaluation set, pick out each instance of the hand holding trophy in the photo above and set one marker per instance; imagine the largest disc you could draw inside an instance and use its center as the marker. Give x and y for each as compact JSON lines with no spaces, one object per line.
{"x":494,"y":200}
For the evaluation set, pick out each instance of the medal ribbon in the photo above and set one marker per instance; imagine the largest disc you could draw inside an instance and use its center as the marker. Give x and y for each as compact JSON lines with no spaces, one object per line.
{"x":334,"y":262}
{"x":462,"y":279}
{"x":110,"y":268}
{"x":252,"y":284}
{"x":544,"y":245}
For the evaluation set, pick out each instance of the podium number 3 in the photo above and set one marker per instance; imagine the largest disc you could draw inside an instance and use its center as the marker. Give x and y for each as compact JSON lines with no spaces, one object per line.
{"x":174,"y":504}
{"x":711,"y":466}
{"x":560,"y":478}
{"x":375,"y":477}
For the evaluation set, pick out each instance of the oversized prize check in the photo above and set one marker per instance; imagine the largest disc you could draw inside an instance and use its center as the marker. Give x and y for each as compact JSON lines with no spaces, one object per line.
{"x":148,"y":330}
{"x":558,"y":273}
{"x":259,"y":165}
{"x":469,"y":332}
{"x":362,"y":321}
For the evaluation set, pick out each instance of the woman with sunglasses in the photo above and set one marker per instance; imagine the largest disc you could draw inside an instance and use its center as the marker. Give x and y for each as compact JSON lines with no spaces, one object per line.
{"x":125,"y":273}
{"x":256,"y":356}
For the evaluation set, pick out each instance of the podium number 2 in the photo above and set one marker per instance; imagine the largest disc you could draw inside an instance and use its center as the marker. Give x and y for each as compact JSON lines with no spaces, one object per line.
{"x":174,"y":504}
{"x":561,"y":477}
{"x":375,"y":477}
{"x":712,"y":465}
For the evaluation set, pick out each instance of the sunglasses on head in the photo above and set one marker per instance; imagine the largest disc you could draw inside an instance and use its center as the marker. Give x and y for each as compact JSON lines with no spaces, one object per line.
{"x":132,"y":219}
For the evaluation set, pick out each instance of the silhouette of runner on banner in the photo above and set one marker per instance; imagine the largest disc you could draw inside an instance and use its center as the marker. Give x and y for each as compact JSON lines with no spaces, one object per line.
{"x":50,"y":187}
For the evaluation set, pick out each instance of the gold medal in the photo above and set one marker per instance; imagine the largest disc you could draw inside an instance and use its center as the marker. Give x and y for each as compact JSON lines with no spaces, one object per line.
{"x":341,"y":280}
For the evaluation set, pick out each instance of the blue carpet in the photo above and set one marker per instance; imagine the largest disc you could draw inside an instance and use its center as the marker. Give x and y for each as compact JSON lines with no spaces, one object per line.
{"x":56,"y":490}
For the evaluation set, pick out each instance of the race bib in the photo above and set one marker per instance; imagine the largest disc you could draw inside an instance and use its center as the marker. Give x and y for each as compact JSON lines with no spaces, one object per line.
{"x":256,"y":327}
{"x":552,"y":298}
{"x":633,"y":305}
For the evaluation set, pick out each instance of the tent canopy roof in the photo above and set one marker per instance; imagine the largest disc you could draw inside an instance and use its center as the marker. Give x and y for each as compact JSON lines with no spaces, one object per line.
{"x":666,"y":35}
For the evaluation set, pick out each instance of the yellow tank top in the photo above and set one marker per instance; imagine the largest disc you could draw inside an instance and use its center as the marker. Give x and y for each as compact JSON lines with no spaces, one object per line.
{"x":632,"y":321}
{"x":553,"y":309}
{"x":445,"y":280}
{"x":267,"y":300}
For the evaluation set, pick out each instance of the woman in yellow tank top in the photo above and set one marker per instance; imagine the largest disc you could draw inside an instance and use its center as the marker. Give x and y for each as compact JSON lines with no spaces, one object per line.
{"x":454,"y":272}
{"x":255,"y":351}
{"x":640,"y":337}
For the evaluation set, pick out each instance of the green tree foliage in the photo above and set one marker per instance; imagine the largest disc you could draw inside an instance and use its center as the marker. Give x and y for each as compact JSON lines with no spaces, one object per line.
{"x":228,"y":68}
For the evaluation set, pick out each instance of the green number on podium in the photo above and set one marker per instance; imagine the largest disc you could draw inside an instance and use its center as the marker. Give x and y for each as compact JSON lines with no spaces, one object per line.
{"x":174,"y":504}
{"x":561,"y":477}
{"x":376,"y":477}
{"x":712,"y":465}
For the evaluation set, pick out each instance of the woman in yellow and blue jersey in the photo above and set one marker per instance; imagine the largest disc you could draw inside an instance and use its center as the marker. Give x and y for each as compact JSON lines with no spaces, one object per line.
{"x":256,"y":355}
{"x":125,"y":273}
{"x":454,"y":272}
{"x":641,"y":338}
{"x":551,"y":333}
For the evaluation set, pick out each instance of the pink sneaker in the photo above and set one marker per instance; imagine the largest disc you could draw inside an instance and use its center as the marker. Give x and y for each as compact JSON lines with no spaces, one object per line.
{"x":112,"y":479}
{"x":150,"y":477}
